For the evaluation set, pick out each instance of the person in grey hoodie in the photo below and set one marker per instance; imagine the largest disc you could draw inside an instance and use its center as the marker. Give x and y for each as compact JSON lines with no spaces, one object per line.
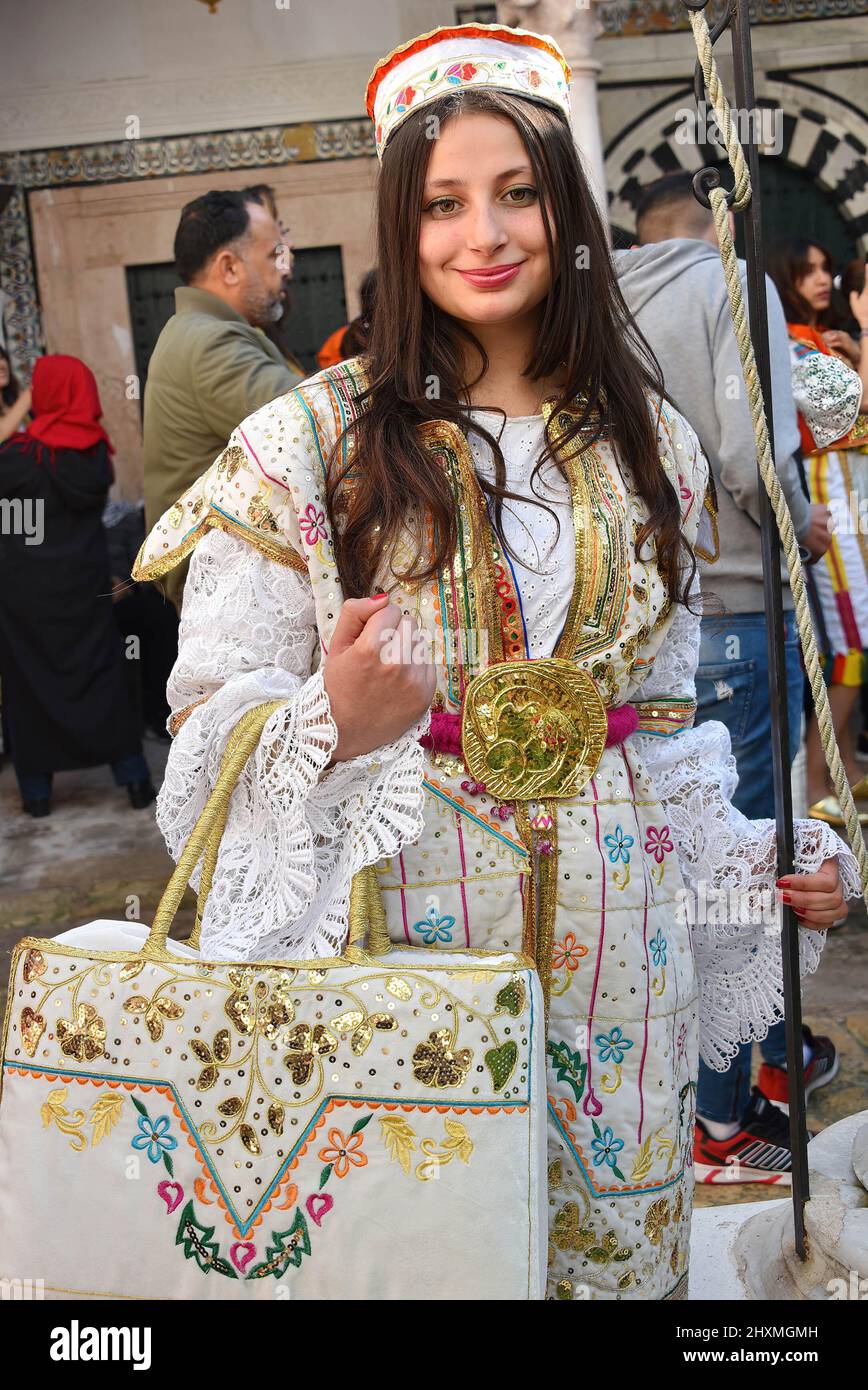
{"x":674,"y":286}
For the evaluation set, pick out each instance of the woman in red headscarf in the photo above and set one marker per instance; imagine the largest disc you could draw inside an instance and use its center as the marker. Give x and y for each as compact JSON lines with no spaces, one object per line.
{"x":65,"y":700}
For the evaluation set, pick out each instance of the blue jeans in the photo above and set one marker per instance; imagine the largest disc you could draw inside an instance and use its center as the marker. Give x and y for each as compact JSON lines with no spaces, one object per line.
{"x":36,"y":786}
{"x":732,"y":687}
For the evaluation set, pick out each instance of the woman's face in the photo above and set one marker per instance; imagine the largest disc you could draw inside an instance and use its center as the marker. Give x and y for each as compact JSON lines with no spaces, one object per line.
{"x":4,"y":372}
{"x":816,"y":285}
{"x":481,"y":212}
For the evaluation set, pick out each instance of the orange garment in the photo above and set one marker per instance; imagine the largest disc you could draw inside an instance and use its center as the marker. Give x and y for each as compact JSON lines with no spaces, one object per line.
{"x":330,"y":353}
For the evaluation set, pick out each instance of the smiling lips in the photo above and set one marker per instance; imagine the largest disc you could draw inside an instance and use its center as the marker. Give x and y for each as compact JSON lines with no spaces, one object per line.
{"x":493,"y":277}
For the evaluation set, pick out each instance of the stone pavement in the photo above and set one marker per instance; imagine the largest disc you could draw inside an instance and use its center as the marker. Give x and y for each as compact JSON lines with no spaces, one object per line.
{"x":96,"y":857}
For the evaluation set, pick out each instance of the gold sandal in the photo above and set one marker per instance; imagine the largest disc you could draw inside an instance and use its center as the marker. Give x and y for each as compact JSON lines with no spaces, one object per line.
{"x":828,"y":809}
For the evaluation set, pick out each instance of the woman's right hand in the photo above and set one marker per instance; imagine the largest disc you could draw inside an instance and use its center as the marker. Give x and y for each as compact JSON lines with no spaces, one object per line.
{"x":376,"y":690}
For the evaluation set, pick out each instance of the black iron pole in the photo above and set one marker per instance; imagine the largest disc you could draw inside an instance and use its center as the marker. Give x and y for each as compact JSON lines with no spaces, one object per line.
{"x":738,"y":20}
{"x":756,"y":290}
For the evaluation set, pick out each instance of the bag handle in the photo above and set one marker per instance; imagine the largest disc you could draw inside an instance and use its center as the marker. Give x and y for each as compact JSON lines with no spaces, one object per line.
{"x":367,"y":914}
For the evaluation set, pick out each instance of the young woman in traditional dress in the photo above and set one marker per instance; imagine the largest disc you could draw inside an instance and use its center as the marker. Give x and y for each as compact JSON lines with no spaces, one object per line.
{"x":499,"y":476}
{"x":831,"y":394}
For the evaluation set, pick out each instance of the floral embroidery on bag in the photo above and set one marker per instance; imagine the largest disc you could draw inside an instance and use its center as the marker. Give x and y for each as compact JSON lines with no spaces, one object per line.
{"x":345,"y":1151}
{"x":84,"y":1037}
{"x":435,"y":1064}
{"x":154,"y":1137}
{"x":104,"y":1115}
{"x":399,"y":1139}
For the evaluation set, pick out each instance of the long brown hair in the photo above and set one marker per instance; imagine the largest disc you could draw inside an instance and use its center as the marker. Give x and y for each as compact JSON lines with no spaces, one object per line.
{"x":788,"y":262}
{"x":586,"y":327}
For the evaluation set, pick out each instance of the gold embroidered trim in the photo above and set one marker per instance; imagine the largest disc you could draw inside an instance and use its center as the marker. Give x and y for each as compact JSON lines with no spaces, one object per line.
{"x":162,"y":565}
{"x":540,"y":899}
{"x":709,"y":505}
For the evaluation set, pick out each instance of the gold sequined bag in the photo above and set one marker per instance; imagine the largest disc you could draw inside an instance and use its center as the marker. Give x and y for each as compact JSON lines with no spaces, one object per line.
{"x":369,"y":1126}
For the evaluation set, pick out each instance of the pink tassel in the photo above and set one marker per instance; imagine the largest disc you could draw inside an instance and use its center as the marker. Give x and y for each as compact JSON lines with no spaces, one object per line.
{"x":445,"y":735}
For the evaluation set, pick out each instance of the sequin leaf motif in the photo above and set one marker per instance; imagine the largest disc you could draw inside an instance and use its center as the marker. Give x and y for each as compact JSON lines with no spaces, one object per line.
{"x":400,"y":988}
{"x":436,"y":1064}
{"x":31,"y":1026}
{"x":657,"y":1218}
{"x":568,"y":1066}
{"x":34,"y":965}
{"x":512,"y":998}
{"x":501,"y":1062}
{"x":82,"y":1037}
{"x":155,"y":1010}
{"x":287,"y":1247}
{"x":198,"y":1245}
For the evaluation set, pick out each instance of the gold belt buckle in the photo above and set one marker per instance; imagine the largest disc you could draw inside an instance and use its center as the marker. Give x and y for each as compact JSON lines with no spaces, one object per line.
{"x":533,"y":729}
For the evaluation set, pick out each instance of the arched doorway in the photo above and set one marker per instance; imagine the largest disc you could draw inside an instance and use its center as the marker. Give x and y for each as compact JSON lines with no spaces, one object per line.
{"x":816,"y":181}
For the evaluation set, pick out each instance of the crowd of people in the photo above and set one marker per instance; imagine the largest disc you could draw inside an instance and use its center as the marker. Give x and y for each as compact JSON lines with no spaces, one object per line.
{"x":67,"y":605}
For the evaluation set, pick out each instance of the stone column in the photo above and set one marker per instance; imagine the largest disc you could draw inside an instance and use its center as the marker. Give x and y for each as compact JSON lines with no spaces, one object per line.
{"x":574,"y":24}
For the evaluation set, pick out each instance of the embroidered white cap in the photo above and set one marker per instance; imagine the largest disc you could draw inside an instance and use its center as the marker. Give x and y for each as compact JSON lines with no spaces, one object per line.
{"x":471,"y":55}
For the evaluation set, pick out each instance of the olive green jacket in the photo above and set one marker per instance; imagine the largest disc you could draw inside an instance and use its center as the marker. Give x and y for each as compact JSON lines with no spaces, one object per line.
{"x":209,"y":370}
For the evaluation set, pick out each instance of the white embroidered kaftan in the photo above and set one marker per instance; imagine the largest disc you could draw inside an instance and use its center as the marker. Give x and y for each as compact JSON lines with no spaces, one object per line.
{"x":640,"y":971}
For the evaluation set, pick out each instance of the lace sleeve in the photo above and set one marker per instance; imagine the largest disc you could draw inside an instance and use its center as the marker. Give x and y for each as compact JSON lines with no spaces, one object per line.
{"x":827,"y":392}
{"x":728,"y":862}
{"x":296,"y":833}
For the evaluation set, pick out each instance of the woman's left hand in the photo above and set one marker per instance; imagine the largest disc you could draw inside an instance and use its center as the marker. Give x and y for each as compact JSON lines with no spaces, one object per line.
{"x":817,"y":899}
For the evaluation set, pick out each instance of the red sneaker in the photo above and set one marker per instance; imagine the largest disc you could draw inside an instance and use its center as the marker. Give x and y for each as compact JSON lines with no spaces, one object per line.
{"x":823,"y":1066}
{"x":759,"y":1152}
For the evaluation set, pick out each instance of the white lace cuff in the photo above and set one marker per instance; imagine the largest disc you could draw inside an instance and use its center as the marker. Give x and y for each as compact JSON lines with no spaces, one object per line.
{"x":729,"y":864}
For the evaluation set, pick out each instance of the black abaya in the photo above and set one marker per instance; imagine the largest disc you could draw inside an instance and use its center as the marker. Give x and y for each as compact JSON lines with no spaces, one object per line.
{"x":65,"y":701}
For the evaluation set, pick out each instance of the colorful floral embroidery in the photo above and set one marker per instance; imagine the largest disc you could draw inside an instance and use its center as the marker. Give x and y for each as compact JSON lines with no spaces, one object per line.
{"x":154,"y":1137}
{"x":344,"y":1151}
{"x":658,"y":842}
{"x":612,"y":1046}
{"x":606,"y":1148}
{"x":568,"y":953}
{"x":657,"y":945}
{"x":619,"y":845}
{"x":460,"y":72}
{"x":435,"y":928}
{"x":313,"y":524}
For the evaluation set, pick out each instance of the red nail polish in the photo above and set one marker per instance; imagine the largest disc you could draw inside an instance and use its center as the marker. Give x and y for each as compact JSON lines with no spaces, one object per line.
{"x":781,"y":882}
{"x":379,"y":595}
{"x":785,"y":897}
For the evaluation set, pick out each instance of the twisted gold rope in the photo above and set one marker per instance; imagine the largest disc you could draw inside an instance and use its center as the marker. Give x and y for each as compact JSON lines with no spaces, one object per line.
{"x":717,"y":198}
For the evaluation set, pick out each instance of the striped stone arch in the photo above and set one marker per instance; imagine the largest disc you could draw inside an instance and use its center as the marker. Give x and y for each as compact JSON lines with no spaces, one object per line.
{"x":820,"y":134}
